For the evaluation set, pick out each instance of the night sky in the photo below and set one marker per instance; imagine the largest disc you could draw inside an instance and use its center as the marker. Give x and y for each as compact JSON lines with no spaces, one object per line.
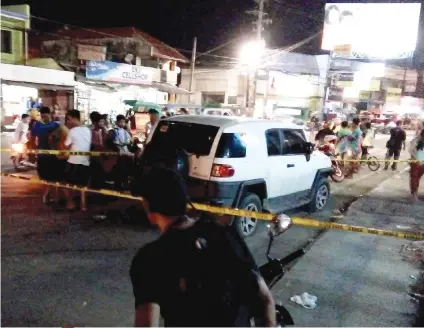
{"x":176,"y":22}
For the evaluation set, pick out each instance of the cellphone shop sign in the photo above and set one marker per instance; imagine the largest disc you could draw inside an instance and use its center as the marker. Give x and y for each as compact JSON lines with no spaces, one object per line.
{"x":119,"y":73}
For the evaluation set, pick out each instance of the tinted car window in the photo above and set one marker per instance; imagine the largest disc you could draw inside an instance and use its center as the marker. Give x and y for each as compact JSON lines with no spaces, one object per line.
{"x":273,"y":142}
{"x":193,"y":138}
{"x":231,"y":145}
{"x":293,"y":142}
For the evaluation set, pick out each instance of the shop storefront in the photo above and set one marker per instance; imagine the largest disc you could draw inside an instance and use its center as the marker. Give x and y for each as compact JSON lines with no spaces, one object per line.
{"x":108,"y":84}
{"x":109,"y":98}
{"x":21,"y":86}
{"x":291,"y":92}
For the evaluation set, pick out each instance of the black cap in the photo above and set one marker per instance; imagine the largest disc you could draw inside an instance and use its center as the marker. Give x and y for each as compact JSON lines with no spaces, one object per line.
{"x":165,"y":191}
{"x":152,"y":111}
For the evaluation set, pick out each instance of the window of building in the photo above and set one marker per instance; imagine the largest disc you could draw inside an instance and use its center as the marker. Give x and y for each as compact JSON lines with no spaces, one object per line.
{"x":232,"y":100}
{"x":6,"y":41}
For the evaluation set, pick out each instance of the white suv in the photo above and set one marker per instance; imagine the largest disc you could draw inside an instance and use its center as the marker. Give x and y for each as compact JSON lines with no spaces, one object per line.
{"x":257,"y":165}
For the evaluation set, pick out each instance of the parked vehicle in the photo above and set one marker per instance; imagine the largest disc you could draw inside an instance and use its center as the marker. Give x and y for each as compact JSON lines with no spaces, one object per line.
{"x":275,"y":268}
{"x":329,"y":149}
{"x":247,"y":163}
{"x":218,"y":112}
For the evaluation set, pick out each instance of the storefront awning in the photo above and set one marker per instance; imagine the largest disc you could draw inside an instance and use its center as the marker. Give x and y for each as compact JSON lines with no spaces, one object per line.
{"x":36,"y":76}
{"x":166,"y":87}
{"x":39,"y":86}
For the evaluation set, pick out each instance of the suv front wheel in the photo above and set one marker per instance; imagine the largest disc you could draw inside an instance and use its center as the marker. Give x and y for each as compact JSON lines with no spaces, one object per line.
{"x":320,"y":196}
{"x":247,"y":226}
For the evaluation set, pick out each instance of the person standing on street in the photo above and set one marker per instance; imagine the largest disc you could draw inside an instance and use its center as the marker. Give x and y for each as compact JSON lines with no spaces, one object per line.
{"x":367,"y":143}
{"x":99,"y":137}
{"x":78,"y":168}
{"x":41,"y":136}
{"x":416,"y":149}
{"x":21,"y":138}
{"x":122,"y":140}
{"x":394,"y":145}
{"x":354,"y":148}
{"x":150,"y":126}
{"x":197,"y":273}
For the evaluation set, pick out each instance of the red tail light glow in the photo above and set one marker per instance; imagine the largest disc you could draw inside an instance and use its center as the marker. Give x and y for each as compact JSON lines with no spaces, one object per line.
{"x":222,"y":171}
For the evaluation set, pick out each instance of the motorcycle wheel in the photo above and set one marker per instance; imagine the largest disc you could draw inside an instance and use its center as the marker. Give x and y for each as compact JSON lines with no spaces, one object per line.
{"x":338,"y":174}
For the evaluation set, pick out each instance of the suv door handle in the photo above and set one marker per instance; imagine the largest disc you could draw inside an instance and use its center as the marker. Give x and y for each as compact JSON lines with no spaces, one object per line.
{"x":290,"y":165}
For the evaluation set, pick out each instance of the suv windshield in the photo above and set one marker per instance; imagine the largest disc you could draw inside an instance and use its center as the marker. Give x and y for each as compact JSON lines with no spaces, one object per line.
{"x":193,"y":138}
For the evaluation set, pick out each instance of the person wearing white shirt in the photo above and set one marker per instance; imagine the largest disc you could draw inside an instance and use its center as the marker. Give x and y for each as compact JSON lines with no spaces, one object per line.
{"x":151,"y":125}
{"x":21,"y":132}
{"x":21,"y":138}
{"x":78,"y":171}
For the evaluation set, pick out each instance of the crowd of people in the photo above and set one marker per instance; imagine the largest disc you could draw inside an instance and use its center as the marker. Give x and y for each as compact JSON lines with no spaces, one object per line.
{"x":355,"y":140}
{"x":47,"y":129}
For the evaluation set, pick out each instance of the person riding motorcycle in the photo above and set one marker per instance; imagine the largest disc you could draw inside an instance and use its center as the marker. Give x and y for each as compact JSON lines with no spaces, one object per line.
{"x":325,"y":131}
{"x":197,"y":273}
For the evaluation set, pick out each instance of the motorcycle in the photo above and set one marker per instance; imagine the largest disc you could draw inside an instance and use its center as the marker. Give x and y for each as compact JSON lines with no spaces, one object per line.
{"x":17,"y":157}
{"x":329,"y":149}
{"x":275,"y":268}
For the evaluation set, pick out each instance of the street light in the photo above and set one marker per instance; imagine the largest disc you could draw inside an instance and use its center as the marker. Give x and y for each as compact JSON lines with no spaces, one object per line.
{"x":251,"y":53}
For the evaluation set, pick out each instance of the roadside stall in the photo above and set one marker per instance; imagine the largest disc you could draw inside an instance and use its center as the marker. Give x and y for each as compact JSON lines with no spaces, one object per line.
{"x":138,"y":114}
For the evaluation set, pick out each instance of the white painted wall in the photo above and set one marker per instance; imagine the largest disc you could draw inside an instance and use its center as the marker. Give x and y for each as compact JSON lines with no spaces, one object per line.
{"x":232,"y":82}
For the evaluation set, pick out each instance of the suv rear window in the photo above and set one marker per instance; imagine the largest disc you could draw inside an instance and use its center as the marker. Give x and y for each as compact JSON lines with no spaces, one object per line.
{"x":231,"y":145}
{"x":193,"y":138}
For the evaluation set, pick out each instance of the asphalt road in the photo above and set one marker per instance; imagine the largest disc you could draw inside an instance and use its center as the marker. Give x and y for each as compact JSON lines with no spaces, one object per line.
{"x":64,"y":269}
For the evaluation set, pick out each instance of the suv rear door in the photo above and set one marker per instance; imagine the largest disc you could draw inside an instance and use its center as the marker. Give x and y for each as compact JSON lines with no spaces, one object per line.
{"x":197,"y":139}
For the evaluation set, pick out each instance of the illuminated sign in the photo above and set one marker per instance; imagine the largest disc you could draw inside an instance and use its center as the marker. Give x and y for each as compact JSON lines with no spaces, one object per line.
{"x":119,"y":73}
{"x":371,"y":30}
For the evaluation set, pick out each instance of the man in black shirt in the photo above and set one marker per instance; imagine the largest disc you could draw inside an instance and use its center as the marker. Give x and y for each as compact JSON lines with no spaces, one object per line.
{"x":394,"y":145}
{"x":196,"y":273}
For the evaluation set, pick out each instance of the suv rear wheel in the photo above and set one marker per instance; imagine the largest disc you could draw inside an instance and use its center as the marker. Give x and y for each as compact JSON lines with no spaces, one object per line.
{"x":247,"y":226}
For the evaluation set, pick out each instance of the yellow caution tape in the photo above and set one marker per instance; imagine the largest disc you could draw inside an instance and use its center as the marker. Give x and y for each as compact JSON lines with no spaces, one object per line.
{"x":65,"y":152}
{"x":109,"y":153}
{"x":305,"y":222}
{"x":379,"y":160}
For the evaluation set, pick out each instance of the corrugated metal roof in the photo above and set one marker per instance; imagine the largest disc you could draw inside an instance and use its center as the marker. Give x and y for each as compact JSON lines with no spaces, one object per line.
{"x":160,"y":49}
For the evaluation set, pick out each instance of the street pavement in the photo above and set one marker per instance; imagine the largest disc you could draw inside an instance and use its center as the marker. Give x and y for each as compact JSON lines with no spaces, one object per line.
{"x":361,"y":280}
{"x":65,"y":269}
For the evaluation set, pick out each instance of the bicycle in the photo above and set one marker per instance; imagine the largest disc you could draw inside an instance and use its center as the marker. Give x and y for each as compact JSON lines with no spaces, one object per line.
{"x":372,"y":162}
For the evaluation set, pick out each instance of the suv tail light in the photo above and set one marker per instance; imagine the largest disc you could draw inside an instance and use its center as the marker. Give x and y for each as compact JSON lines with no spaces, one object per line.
{"x":222,"y":171}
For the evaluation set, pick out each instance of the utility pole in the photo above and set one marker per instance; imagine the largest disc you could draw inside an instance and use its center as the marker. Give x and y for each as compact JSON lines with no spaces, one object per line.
{"x":261,"y":20}
{"x":193,"y":62}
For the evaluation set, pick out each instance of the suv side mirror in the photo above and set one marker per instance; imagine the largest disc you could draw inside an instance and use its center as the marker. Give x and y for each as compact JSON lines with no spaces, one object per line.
{"x":309,"y":149}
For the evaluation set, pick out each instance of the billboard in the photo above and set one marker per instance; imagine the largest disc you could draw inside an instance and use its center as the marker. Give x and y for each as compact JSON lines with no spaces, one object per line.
{"x":118,"y":73}
{"x":371,"y":30}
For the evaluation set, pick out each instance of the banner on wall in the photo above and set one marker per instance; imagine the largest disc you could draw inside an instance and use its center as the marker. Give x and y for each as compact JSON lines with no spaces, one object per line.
{"x":118,"y":73}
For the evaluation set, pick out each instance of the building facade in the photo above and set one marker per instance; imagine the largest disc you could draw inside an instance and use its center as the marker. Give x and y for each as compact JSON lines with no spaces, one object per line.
{"x":15,"y":21}
{"x":287,"y":81}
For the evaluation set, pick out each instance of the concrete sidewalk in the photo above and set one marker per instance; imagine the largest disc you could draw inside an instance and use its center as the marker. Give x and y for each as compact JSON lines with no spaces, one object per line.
{"x":361,"y":280}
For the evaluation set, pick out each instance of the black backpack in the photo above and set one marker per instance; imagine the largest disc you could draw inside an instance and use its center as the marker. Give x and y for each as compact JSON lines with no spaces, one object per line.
{"x":220,"y":276}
